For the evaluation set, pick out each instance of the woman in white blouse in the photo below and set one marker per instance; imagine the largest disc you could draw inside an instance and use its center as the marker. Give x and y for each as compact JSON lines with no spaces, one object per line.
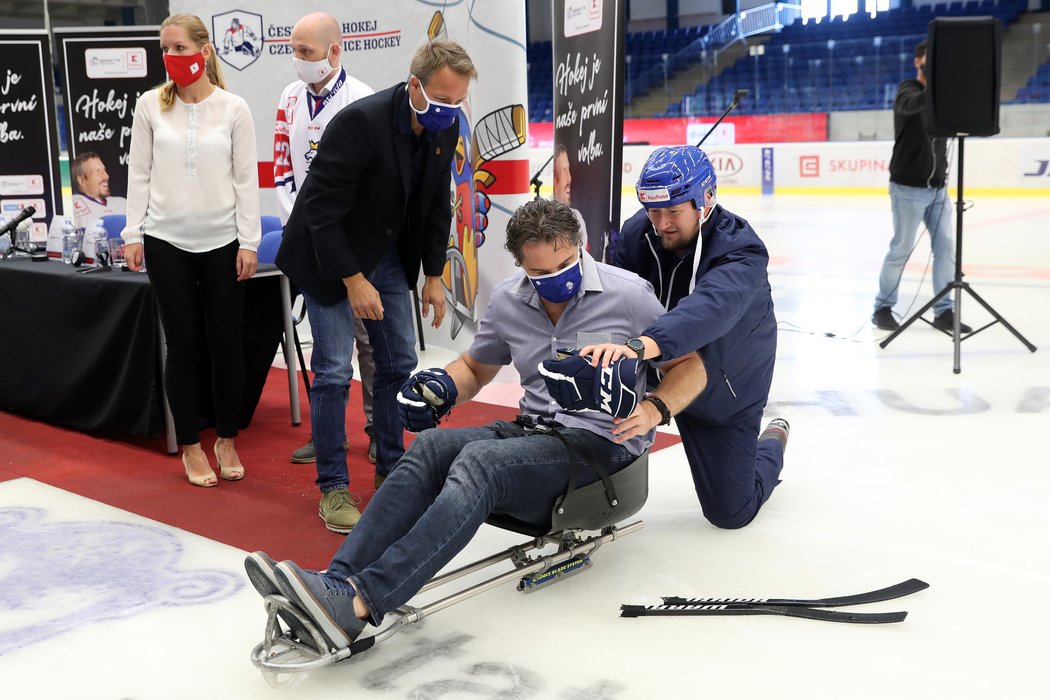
{"x":193,"y":214}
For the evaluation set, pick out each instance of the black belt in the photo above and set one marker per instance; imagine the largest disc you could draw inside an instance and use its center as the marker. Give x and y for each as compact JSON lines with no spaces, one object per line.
{"x":537,"y":425}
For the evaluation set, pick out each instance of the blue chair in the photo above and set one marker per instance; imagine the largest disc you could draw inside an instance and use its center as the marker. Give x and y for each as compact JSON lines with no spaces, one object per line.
{"x":114,"y":224}
{"x":269,"y":244}
{"x":270,"y":223}
{"x":267,"y":253}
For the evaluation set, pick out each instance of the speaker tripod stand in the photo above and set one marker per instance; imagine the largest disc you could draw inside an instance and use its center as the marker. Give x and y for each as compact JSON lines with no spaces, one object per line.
{"x":958,"y":286}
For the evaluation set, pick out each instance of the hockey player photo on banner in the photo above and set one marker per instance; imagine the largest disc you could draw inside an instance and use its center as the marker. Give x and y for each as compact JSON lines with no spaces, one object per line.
{"x":103,"y":73}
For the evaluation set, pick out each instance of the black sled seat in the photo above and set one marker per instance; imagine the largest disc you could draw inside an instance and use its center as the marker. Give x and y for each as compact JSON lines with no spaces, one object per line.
{"x":590,"y":507}
{"x":596,"y":508}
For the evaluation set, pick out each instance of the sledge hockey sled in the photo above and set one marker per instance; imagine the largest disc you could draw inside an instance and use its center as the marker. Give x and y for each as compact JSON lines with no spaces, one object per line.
{"x":582,"y":520}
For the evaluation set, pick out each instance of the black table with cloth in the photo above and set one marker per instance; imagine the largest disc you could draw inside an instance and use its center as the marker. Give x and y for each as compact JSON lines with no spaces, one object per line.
{"x":82,"y":350}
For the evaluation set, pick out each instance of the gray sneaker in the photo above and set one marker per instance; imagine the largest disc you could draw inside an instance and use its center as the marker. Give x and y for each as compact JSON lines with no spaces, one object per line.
{"x":328,"y":600}
{"x":339,"y":511}
{"x":307,"y":453}
{"x":778,"y":429}
{"x":261,"y":570}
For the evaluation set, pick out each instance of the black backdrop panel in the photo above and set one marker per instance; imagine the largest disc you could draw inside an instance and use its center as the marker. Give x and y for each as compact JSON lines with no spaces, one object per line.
{"x":963,"y":73}
{"x":28,"y":129}
{"x":588,"y":46}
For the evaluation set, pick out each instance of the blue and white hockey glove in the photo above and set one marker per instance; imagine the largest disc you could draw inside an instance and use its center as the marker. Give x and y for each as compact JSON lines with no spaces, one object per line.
{"x":425,"y":399}
{"x":575,"y":385}
{"x":616,"y":386}
{"x":570,"y":381}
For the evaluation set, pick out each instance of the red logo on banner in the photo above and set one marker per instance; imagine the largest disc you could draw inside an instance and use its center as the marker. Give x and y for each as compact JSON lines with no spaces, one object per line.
{"x":809,"y":166}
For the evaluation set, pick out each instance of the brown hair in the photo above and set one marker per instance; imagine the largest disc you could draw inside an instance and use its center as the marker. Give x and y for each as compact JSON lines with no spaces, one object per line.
{"x":920,"y":49}
{"x":76,"y":168}
{"x":437,"y":54}
{"x":198,"y":34}
{"x":539,"y":221}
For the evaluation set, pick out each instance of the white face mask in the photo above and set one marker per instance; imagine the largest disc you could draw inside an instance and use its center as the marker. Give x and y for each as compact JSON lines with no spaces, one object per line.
{"x":313,"y":72}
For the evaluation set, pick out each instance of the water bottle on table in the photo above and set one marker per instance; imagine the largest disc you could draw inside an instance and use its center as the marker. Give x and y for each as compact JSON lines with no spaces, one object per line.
{"x":69,"y":241}
{"x":103,"y":252}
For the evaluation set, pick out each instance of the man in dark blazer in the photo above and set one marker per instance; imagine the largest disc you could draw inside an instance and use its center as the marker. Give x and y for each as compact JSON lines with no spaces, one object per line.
{"x":374,"y":207}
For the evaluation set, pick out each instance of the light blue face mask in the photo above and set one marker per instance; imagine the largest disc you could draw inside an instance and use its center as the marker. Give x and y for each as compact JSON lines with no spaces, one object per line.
{"x":438,"y":116}
{"x":561,"y":285}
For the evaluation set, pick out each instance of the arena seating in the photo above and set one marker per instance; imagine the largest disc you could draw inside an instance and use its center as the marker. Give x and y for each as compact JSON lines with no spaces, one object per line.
{"x":1038,"y":87}
{"x":835,"y":65}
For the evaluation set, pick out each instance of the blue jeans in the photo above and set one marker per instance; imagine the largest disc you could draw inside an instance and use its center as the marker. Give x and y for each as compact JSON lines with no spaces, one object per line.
{"x":394,"y":353}
{"x":443,"y":489}
{"x":912,"y":205}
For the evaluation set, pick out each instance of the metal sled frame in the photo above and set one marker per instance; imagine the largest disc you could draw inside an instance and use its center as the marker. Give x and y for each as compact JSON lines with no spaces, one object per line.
{"x":582,"y":521}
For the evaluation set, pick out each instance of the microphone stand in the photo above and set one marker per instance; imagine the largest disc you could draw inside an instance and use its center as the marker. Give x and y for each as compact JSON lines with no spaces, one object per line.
{"x":958,"y":286}
{"x":737,"y":96}
{"x":15,"y":248}
{"x":536,"y":181}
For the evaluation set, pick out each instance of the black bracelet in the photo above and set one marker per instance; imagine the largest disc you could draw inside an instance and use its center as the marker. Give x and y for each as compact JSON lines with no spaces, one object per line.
{"x":665,"y":413}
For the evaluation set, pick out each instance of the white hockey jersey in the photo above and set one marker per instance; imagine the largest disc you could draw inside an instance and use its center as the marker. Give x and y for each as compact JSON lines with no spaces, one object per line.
{"x":86,"y":210}
{"x":301,"y":119}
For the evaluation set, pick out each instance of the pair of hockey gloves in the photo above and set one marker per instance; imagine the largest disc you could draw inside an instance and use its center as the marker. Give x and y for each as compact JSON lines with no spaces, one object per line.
{"x":577,"y":386}
{"x":425,"y":399}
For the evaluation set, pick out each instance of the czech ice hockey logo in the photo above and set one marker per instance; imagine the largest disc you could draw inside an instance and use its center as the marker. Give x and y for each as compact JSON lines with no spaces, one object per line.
{"x":237,"y":36}
{"x":309,"y":155}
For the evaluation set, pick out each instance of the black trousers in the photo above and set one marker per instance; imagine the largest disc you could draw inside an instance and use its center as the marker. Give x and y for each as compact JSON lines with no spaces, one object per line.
{"x":189,"y":285}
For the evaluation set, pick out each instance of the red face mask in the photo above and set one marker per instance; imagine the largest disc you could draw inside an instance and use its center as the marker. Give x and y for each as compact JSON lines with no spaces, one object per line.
{"x":185,"y":70}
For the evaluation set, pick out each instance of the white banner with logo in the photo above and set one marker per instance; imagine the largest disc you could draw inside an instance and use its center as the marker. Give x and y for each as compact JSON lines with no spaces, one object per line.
{"x":491,"y":170}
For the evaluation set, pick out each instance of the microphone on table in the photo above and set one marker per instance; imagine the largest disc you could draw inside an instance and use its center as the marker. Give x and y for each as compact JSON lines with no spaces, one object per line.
{"x":11,"y":225}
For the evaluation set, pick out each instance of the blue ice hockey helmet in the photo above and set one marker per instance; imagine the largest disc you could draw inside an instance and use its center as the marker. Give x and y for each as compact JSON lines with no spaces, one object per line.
{"x":676,"y":174}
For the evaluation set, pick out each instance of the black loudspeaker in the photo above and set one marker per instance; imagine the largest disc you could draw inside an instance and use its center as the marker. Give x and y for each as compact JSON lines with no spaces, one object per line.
{"x":963,"y":76}
{"x":729,"y":7}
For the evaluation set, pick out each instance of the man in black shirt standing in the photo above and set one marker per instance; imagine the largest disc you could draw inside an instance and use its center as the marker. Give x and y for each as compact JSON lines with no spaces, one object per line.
{"x":917,"y":193}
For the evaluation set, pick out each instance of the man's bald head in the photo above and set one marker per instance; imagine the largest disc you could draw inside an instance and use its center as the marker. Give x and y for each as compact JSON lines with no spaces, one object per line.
{"x":320,"y":25}
{"x":317,"y":36}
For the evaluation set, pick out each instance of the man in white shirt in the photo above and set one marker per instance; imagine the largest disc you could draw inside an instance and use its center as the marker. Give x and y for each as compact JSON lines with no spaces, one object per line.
{"x":304,"y":110}
{"x":92,"y":200}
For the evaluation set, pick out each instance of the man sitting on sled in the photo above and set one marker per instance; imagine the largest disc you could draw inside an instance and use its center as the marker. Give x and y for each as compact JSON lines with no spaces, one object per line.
{"x":451,"y":480}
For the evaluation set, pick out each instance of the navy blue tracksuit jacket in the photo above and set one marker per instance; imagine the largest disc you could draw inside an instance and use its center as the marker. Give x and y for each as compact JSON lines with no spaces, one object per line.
{"x":728,"y":318}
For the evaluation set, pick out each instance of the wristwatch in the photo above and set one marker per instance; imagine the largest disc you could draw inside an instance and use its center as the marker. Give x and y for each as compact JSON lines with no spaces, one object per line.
{"x":665,"y":413}
{"x":637,"y":346}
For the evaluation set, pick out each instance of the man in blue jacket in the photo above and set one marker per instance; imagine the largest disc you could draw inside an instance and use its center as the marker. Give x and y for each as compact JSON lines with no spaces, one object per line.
{"x":708,"y":267}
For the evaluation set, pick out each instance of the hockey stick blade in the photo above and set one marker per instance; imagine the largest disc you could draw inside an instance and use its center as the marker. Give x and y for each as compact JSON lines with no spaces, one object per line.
{"x":786,"y":611}
{"x":899,"y":590}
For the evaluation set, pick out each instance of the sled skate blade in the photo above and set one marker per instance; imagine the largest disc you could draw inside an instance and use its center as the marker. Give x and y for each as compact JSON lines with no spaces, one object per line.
{"x":576,"y":565}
